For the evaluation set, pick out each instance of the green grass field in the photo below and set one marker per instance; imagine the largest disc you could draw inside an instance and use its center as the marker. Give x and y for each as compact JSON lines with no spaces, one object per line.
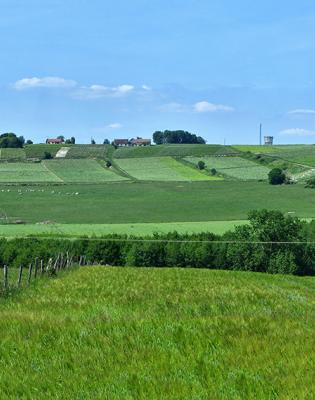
{"x":233,"y":167}
{"x":89,"y":151}
{"x":38,"y":150}
{"x":299,"y":153}
{"x":12,"y":154}
{"x":134,"y":333}
{"x":137,"y":202}
{"x":141,"y":229}
{"x":173,"y":150}
{"x":161,"y":169}
{"x":26,"y":172}
{"x":85,"y":170}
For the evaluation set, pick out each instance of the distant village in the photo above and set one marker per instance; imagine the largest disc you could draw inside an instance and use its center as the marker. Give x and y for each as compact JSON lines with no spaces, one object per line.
{"x":116,"y":142}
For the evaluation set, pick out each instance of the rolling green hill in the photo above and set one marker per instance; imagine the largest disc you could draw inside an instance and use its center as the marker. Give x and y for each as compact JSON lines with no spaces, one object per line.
{"x":137,"y":333}
{"x":173,"y":150}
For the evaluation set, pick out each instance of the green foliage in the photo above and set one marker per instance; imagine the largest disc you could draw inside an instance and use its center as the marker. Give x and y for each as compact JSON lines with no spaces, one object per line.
{"x":201,"y":165}
{"x":47,"y":155}
{"x":310,"y":183}
{"x":179,"y":136}
{"x":213,"y":171}
{"x":276,"y":176}
{"x":11,"y":140}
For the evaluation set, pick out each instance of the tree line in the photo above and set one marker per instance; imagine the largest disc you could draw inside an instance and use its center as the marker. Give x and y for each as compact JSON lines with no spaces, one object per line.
{"x":271,"y":242}
{"x":179,"y":137}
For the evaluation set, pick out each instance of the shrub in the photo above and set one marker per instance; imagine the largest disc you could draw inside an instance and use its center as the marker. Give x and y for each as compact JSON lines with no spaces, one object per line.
{"x":108,"y":164}
{"x":201,"y":165}
{"x":310,"y":183}
{"x":213,"y":171}
{"x":276,"y":176}
{"x":47,"y":155}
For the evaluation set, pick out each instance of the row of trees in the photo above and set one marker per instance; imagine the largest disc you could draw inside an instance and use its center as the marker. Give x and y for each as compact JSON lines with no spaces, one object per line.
{"x":12,"y":141}
{"x":272,"y":242}
{"x":180,"y":137}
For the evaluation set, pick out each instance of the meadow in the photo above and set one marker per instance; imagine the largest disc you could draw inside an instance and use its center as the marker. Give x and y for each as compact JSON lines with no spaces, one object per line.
{"x":139,"y":202}
{"x":84,"y":171}
{"x":173,"y":150}
{"x":26,"y":172}
{"x":161,"y":169}
{"x":233,"y":167}
{"x":124,"y":333}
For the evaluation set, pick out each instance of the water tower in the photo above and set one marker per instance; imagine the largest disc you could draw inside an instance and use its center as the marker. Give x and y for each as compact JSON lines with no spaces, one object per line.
{"x":268,"y":140}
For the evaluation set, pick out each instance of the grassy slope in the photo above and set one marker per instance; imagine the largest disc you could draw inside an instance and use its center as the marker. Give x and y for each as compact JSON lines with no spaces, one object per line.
{"x":161,"y":169}
{"x":123,"y":333}
{"x":234,"y":167}
{"x":217,"y":227}
{"x":84,"y":170}
{"x":152,"y":202}
{"x":26,"y":172}
{"x":15,"y":154}
{"x":174,"y":150}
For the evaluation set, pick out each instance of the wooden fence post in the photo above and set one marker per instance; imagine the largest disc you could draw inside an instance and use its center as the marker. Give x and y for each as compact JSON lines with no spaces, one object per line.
{"x":36,"y":267}
{"x":30,"y":269}
{"x":5,"y":277}
{"x":20,"y":276}
{"x":41,"y":266}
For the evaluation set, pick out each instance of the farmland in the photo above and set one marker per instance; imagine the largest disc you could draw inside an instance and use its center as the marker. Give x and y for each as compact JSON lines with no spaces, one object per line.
{"x":159,"y":333}
{"x":161,"y":169}
{"x":26,"y":172}
{"x":233,"y":167}
{"x":86,"y":170}
{"x":140,"y":202}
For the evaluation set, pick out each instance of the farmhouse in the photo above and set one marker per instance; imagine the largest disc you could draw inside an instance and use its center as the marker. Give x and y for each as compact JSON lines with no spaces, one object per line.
{"x":140,"y":142}
{"x":121,"y":142}
{"x":54,"y":141}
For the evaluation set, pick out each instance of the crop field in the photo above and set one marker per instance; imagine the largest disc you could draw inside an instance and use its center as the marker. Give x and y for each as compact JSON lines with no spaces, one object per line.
{"x":159,"y":333}
{"x":173,"y":150}
{"x":85,"y":171}
{"x":234,"y":167}
{"x":140,"y":202}
{"x":38,"y":150}
{"x":12,"y":154}
{"x":26,"y":172}
{"x":300,"y":153}
{"x":89,"y":151}
{"x":161,"y":169}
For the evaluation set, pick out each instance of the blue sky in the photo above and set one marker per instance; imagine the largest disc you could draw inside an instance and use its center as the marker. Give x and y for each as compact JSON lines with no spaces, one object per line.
{"x":122,"y":68}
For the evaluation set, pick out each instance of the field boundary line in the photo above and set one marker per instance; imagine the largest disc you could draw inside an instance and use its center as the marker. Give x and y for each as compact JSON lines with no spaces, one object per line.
{"x":53,"y":173}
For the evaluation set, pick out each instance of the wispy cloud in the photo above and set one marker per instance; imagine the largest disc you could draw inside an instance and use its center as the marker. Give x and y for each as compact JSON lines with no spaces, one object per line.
{"x":206,"y":107}
{"x":297,"y":132}
{"x":100,"y":91}
{"x":146,"y":87}
{"x":301,"y":111}
{"x":200,"y":107}
{"x":115,"y":125}
{"x":45,"y":82}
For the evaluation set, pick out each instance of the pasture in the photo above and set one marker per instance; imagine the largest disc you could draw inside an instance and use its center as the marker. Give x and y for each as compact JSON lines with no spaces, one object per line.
{"x":139,"y":202}
{"x":159,"y":333}
{"x":84,"y":171}
{"x":233,"y":167}
{"x":172,"y":150}
{"x":161,"y":169}
{"x":26,"y":172}
{"x":12,"y":154}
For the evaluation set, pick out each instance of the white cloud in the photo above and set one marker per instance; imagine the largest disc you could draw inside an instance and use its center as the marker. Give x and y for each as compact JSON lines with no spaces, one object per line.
{"x":100,"y":91}
{"x":301,"y":111}
{"x":145,"y":87}
{"x":206,"y":107}
{"x":297,"y":132}
{"x":115,"y":125}
{"x":46,"y":82}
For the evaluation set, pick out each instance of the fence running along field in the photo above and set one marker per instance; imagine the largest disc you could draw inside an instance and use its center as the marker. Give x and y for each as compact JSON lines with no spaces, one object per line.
{"x":17,"y":278}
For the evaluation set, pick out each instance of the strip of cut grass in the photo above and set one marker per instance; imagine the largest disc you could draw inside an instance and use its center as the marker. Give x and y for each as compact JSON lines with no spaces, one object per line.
{"x":12,"y":154}
{"x":161,"y":169}
{"x":174,"y":150}
{"x":119,"y":333}
{"x":76,"y":230}
{"x":234,"y":167}
{"x":85,"y":170}
{"x":25,"y":172}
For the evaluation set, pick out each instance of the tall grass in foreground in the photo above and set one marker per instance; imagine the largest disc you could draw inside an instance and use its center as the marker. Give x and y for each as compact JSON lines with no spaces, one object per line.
{"x":136,"y":333}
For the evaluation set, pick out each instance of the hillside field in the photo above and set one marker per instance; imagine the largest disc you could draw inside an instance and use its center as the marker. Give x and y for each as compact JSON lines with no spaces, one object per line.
{"x":138,"y":202}
{"x":124,"y":333}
